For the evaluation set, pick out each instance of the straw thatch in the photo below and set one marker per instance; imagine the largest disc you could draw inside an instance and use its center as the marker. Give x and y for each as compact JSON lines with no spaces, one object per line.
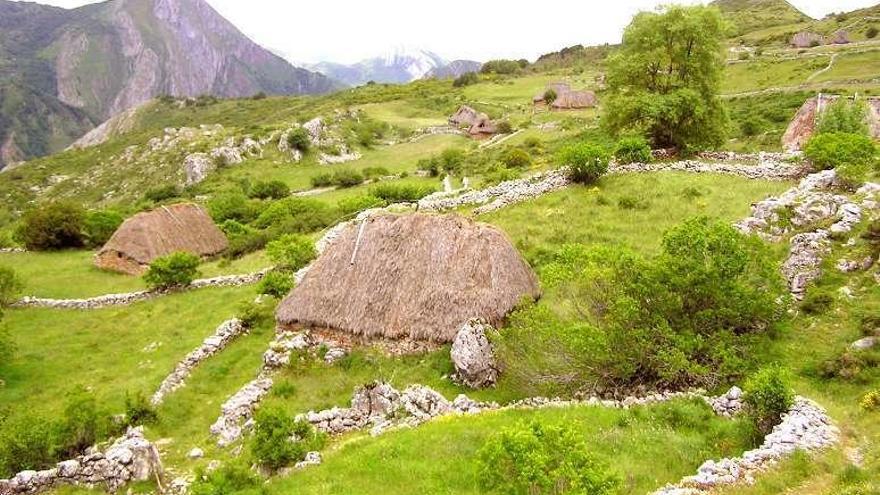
{"x":483,"y":125}
{"x":803,"y":125}
{"x":574,"y":99}
{"x":840,"y":37}
{"x":465,"y":116}
{"x":160,"y":232}
{"x":805,"y":40}
{"x":413,"y":276}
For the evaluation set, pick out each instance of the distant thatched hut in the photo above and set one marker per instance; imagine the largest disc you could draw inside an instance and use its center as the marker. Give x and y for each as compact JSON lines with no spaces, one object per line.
{"x":483,"y":125}
{"x":465,"y":116}
{"x":574,"y":99}
{"x":805,"y":40}
{"x":160,"y":232}
{"x":557,"y":87}
{"x":840,"y":37}
{"x":412,"y":276}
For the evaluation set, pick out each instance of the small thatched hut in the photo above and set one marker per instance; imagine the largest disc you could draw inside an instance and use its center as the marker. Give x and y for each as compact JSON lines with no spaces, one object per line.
{"x":840,"y":37}
{"x":412,"y":276}
{"x":557,"y":87}
{"x":160,"y":232}
{"x":806,"y":40}
{"x":465,"y":116}
{"x":574,"y":99}
{"x":483,"y":125}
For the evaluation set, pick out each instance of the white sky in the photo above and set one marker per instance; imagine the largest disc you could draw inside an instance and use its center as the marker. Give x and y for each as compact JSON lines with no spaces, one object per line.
{"x":350,"y":30}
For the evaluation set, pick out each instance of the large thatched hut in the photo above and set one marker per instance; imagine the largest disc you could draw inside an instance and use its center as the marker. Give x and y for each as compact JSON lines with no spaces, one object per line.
{"x":574,"y":99}
{"x":806,"y":39}
{"x":415,"y":276}
{"x":160,"y":232}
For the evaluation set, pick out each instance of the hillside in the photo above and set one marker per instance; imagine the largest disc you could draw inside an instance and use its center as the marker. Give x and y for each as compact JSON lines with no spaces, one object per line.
{"x":78,"y":67}
{"x":753,"y":15}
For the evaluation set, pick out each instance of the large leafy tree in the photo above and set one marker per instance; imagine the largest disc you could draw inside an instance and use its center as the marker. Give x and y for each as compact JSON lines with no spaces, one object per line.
{"x":664,"y":80}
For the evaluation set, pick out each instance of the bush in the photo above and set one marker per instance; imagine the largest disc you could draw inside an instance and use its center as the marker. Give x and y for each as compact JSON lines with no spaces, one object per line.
{"x":322,"y":180}
{"x":270,"y":190}
{"x":550,"y":96}
{"x":346,"y":178}
{"x":586,"y":162}
{"x":175,"y":270}
{"x":355,"y":204}
{"x":138,"y":410}
{"x":11,"y":286}
{"x":296,"y":215}
{"x":516,"y":158}
{"x":99,"y":226}
{"x":533,"y":458}
{"x":752,"y":125}
{"x":844,"y":116}
{"x":232,"y":206}
{"x":401,"y":193}
{"x":232,"y":478}
{"x":52,"y":226}
{"x":633,"y":150}
{"x":26,"y":442}
{"x":280,"y":441}
{"x":375,"y":172}
{"x":872,"y":32}
{"x":299,"y":139}
{"x":246,"y":242}
{"x":833,"y":150}
{"x":871,"y":401}
{"x":817,"y":302}
{"x":162,"y":193}
{"x":82,"y":425}
{"x":466,"y":79}
{"x":257,"y":314}
{"x":767,"y":397}
{"x":503,"y":127}
{"x":501,"y":67}
{"x":276,"y":283}
{"x":291,"y":251}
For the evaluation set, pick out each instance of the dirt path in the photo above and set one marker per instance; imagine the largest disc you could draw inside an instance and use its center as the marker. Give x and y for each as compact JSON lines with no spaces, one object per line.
{"x":824,"y":70}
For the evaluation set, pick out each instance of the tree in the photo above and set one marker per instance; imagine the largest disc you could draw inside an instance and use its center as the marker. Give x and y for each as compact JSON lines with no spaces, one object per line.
{"x":99,"y":226}
{"x":664,"y":81}
{"x":52,"y":226}
{"x":586,"y":162}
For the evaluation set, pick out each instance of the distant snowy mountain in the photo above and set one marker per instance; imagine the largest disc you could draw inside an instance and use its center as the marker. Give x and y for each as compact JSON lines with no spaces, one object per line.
{"x":454,"y":69}
{"x":401,"y":65}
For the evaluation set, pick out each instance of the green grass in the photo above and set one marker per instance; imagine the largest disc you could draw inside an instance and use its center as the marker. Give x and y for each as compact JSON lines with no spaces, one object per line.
{"x":856,"y":66}
{"x":72,"y":274}
{"x":404,"y":114}
{"x":592,"y":215}
{"x":646,"y":447}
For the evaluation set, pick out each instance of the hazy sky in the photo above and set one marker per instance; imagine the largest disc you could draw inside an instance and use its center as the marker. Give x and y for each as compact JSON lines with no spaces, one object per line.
{"x":349,"y":30}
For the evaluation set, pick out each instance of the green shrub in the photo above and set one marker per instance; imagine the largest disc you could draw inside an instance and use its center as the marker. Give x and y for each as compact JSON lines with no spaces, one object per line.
{"x":26,"y":442}
{"x":632,"y":203}
{"x":162,"y":193}
{"x":871,"y":401}
{"x":257,"y":313}
{"x":768,"y":395}
{"x":354,"y":204}
{"x":82,"y":425}
{"x":504,"y":127}
{"x":299,"y":139}
{"x":852,"y":365}
{"x":401,"y":193}
{"x":296,"y":215}
{"x":752,"y":125}
{"x":633,"y":150}
{"x":269,"y":190}
{"x":502,"y":67}
{"x":833,"y":150}
{"x":375,"y":172}
{"x":872,"y":32}
{"x":550,"y":96}
{"x":246,"y":242}
{"x":99,"y":226}
{"x":291,"y":251}
{"x":276,"y":283}
{"x":499,"y":175}
{"x":346,"y":178}
{"x":11,"y":286}
{"x":175,"y":270}
{"x":232,"y":478}
{"x":466,"y":79}
{"x":322,"y":180}
{"x":52,"y":226}
{"x":138,"y":410}
{"x":586,"y":162}
{"x":232,"y":206}
{"x":516,"y":158}
{"x":844,"y":116}
{"x":279,"y":440}
{"x":817,"y":302}
{"x":531,"y":458}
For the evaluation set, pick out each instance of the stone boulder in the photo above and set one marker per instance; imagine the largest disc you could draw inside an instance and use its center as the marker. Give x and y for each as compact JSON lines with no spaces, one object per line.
{"x":473,"y":356}
{"x":377,"y":399}
{"x":197,"y":166}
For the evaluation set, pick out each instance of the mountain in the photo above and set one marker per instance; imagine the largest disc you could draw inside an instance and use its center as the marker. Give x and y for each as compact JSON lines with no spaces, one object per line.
{"x":71,"y":69}
{"x":399,"y":66}
{"x":753,"y":15}
{"x":454,"y":69}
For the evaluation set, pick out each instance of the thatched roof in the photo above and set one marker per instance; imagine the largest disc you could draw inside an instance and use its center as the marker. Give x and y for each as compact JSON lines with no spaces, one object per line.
{"x":557,"y":87}
{"x":840,"y":37}
{"x":803,"y":125}
{"x":483,"y":125}
{"x":575,"y":99}
{"x":805,"y":40}
{"x":165,"y":230}
{"x":418,"y":276}
{"x":465,"y":116}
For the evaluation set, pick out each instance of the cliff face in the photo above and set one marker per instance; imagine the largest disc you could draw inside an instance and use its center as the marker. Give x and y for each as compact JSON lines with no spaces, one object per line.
{"x":101,"y":59}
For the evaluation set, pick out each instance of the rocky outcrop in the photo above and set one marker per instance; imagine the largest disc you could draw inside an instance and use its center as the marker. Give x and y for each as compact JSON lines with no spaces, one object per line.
{"x":197,"y":166}
{"x":865,"y":344}
{"x":114,"y":126}
{"x":473,"y":357}
{"x":805,"y":426}
{"x":729,"y":404}
{"x":225,"y":333}
{"x":804,"y":259}
{"x":130,"y":458}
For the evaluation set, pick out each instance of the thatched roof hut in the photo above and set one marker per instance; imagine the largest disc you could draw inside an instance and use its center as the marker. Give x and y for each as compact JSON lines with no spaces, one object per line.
{"x":803,"y":125}
{"x":160,"y":232}
{"x":806,"y":40}
{"x":483,"y":125}
{"x":557,"y":87}
{"x":575,"y":99}
{"x":412,"y":276}
{"x":840,"y":37}
{"x":465,"y":116}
